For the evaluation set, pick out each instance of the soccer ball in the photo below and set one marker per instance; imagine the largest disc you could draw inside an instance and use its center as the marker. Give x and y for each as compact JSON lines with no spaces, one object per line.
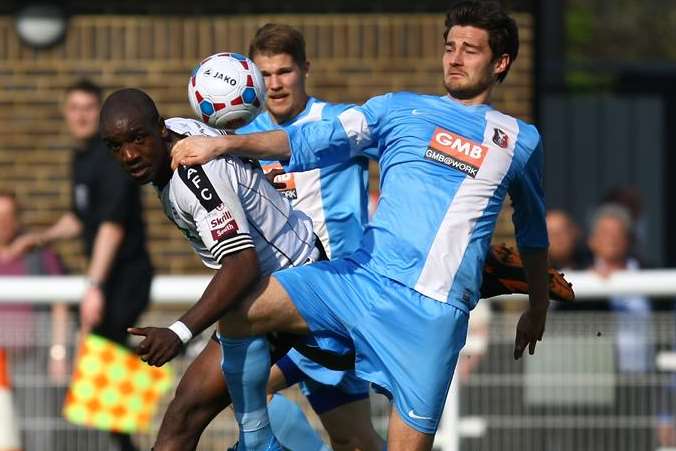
{"x":226,"y":90}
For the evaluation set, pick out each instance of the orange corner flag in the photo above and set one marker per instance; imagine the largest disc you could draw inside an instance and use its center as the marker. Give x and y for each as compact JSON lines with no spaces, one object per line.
{"x":112,"y":389}
{"x":9,"y":431}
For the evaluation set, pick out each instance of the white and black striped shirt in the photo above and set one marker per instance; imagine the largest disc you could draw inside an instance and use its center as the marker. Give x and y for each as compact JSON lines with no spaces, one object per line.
{"x":227,"y":205}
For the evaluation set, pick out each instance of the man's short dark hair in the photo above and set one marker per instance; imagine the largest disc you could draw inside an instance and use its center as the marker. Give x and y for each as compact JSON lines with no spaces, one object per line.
{"x":503,"y":34}
{"x":130,"y":101}
{"x":86,"y":86}
{"x":275,"y":39}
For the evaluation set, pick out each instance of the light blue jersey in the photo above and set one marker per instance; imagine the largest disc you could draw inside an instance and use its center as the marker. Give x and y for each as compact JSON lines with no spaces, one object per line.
{"x":403,"y":297}
{"x":336,"y":196}
{"x":445,"y":170}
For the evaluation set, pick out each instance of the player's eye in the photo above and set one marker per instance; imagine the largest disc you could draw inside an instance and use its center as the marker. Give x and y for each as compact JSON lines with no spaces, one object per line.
{"x":138,"y":139}
{"x":115,"y":147}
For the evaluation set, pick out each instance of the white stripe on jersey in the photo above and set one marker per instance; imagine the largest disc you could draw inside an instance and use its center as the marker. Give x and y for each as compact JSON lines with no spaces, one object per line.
{"x":310,"y":202}
{"x":455,"y":231}
{"x":315,"y":114}
{"x":356,"y":128}
{"x":309,"y":188}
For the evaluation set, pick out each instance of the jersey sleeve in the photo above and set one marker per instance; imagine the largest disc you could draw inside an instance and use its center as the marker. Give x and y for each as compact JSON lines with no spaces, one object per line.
{"x":529,"y":204}
{"x":216,"y":210}
{"x":354,"y":132}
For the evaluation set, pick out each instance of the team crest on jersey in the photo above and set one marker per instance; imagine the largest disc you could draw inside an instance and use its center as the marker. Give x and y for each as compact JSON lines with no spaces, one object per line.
{"x":221,"y":223}
{"x":455,"y":151}
{"x":284,"y":183}
{"x":500,"y":138}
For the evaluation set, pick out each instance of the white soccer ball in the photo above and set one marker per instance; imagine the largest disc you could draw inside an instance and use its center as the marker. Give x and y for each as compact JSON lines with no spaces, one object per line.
{"x":226,"y":90}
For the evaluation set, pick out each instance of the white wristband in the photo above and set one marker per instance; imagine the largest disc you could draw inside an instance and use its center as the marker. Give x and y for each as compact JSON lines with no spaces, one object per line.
{"x":182,"y":331}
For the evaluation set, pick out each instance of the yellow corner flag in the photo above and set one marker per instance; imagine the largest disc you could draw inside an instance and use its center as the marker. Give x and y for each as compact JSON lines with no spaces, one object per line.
{"x":113,"y":389}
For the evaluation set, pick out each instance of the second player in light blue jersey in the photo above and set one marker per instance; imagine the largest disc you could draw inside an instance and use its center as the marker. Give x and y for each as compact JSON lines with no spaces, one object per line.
{"x":446,"y":166}
{"x":334,"y":196}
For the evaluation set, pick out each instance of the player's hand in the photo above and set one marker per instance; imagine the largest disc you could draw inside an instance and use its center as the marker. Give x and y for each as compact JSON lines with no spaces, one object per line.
{"x":272,"y":174}
{"x":529,"y":330}
{"x":194,"y":150}
{"x":159,"y":346}
{"x":20,"y":246}
{"x":91,"y":308}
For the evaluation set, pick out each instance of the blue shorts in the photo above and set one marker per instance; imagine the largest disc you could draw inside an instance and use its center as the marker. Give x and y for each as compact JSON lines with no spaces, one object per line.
{"x":324,"y":389}
{"x":405,"y":342}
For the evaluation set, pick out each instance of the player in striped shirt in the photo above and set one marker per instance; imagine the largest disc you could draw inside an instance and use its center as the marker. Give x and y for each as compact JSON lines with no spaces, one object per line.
{"x":236,"y":222}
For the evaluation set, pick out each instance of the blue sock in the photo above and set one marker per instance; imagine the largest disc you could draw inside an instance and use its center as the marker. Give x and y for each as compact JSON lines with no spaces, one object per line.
{"x":291,"y":427}
{"x":246,"y":366}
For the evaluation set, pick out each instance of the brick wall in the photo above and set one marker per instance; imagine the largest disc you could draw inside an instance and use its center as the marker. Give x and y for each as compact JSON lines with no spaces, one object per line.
{"x":353,"y":57}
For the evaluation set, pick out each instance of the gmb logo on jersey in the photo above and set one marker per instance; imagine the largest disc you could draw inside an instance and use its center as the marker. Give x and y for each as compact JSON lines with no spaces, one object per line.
{"x":455,"y":151}
{"x":221,"y":223}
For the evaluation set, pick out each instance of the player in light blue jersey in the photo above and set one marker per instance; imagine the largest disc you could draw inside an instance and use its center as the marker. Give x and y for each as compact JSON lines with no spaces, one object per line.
{"x":447,"y":164}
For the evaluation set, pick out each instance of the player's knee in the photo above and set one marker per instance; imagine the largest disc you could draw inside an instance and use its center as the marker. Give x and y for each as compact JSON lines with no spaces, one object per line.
{"x":186,"y":402}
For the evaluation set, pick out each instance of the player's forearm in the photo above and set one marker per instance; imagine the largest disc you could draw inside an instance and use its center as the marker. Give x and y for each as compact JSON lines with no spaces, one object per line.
{"x":106,"y":245}
{"x":67,"y":227}
{"x":59,"y":331}
{"x":272,"y":145}
{"x":535,"y":265}
{"x":237,"y":275}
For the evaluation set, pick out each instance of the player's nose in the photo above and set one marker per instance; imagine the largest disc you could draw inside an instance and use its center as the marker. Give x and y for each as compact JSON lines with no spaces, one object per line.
{"x":128,"y":153}
{"x":274,"y":82}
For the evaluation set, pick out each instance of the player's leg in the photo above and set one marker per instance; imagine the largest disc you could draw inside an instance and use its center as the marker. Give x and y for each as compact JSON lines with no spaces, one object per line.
{"x":246,"y":358}
{"x":291,"y":427}
{"x":246,"y":366}
{"x":271,"y":309}
{"x":268,"y":308}
{"x":402,"y":437}
{"x":344,"y":411}
{"x":200,"y":396}
{"x":350,"y":428}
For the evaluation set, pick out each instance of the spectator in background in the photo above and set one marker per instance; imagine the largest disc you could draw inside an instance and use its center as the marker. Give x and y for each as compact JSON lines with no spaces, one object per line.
{"x":106,"y":213}
{"x":21,"y":330}
{"x":566,"y":252}
{"x":629,"y":197}
{"x":610,"y":241}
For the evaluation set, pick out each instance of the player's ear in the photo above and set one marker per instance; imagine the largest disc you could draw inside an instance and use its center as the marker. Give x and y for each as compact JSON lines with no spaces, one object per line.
{"x":164,"y":131}
{"x":306,"y":68}
{"x":501,"y":64}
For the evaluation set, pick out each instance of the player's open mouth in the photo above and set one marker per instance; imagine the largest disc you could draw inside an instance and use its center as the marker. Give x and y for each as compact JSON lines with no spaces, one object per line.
{"x":138,"y":171}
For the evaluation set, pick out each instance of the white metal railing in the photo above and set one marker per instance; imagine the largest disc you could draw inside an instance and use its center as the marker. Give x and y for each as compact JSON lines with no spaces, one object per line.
{"x":178,"y":289}
{"x":482,"y":426}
